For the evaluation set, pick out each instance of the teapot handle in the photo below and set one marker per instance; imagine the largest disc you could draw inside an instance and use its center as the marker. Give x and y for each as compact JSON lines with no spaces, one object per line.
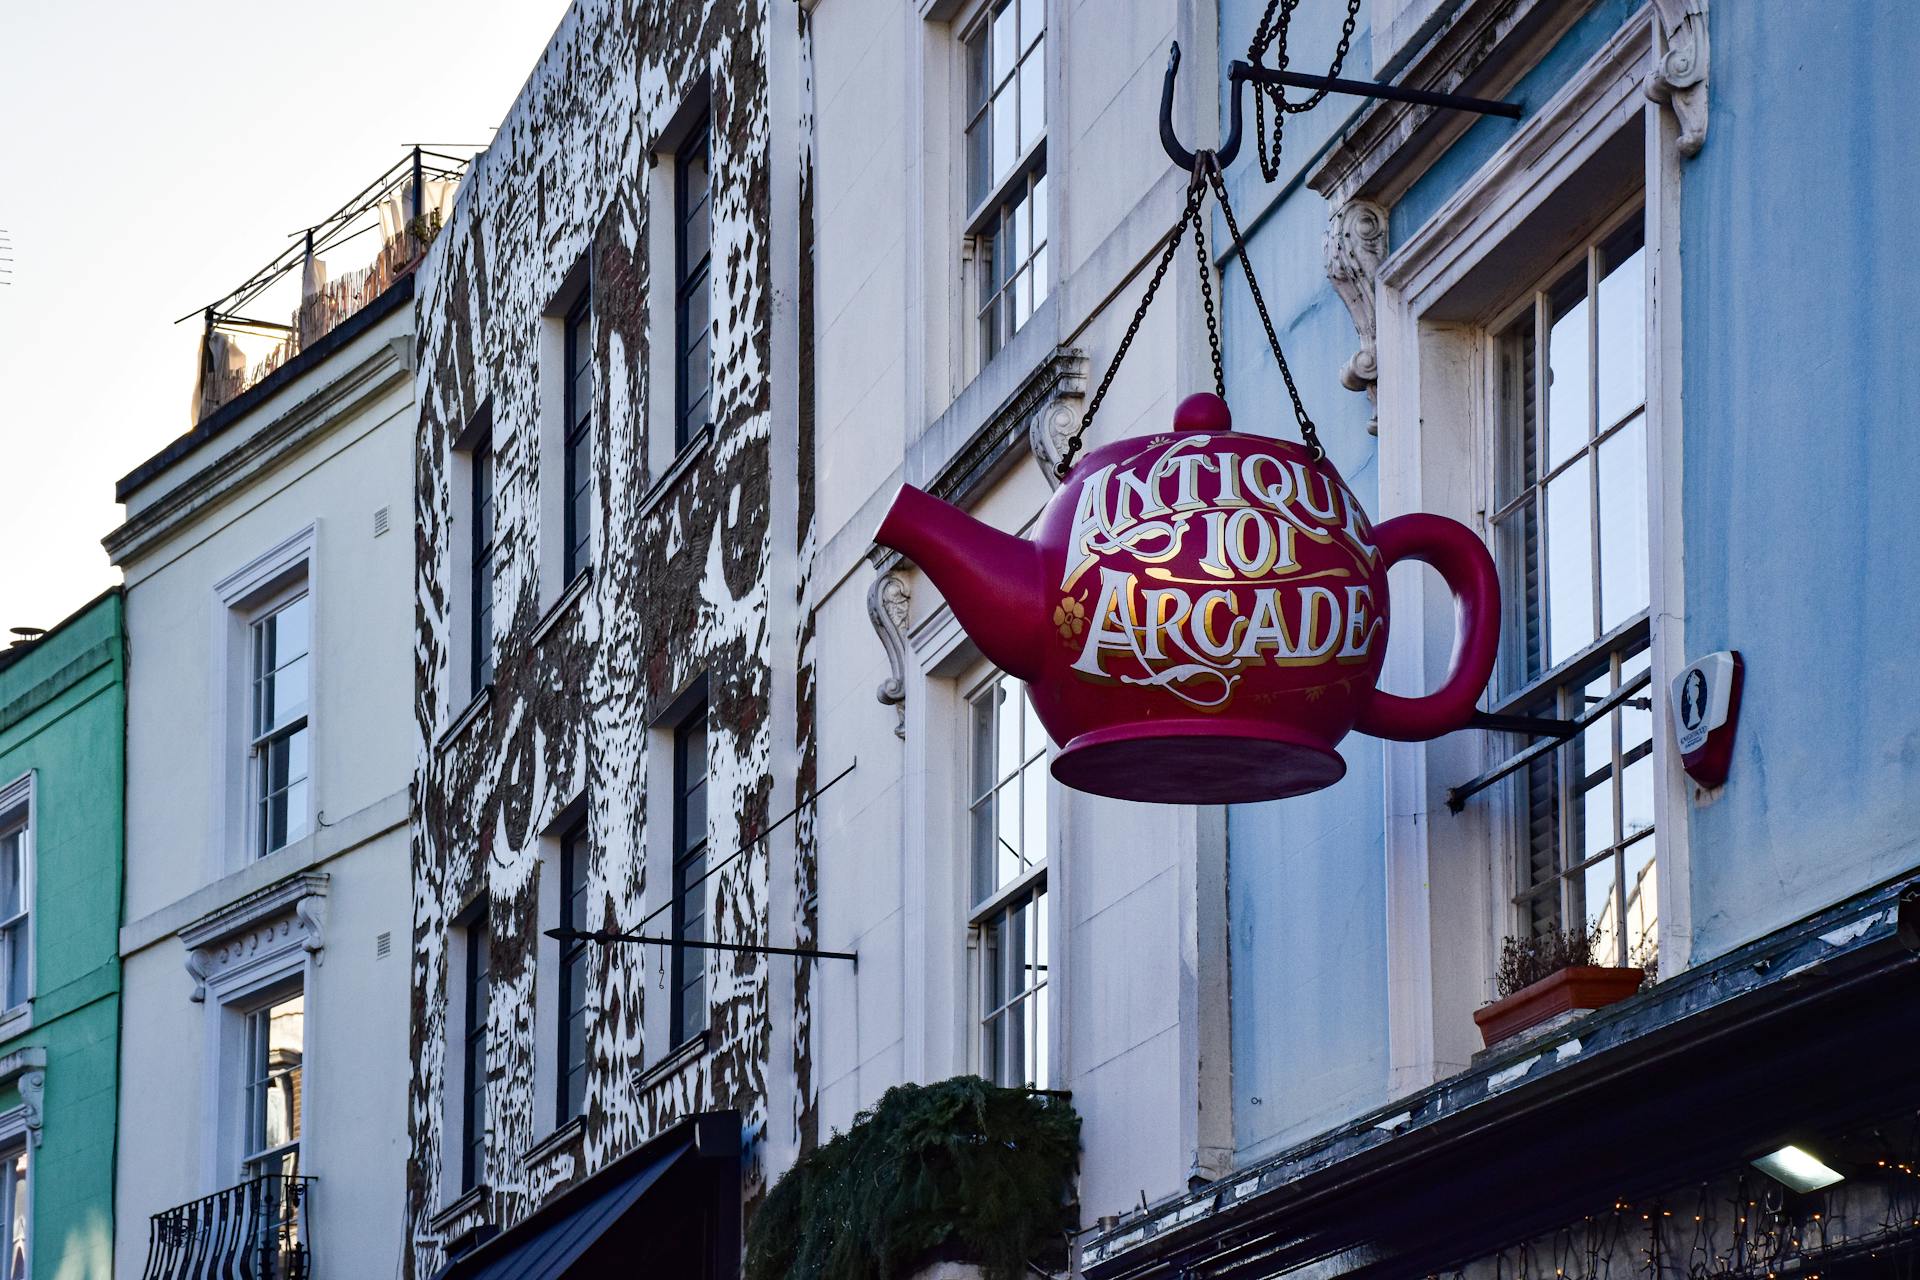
{"x":1468,"y":571}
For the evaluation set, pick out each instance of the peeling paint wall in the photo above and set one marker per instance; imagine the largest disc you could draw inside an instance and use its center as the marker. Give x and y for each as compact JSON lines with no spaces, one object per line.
{"x":679,"y":589}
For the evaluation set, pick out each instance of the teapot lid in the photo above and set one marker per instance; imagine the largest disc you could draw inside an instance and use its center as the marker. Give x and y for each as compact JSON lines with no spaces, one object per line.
{"x":1203,"y":411}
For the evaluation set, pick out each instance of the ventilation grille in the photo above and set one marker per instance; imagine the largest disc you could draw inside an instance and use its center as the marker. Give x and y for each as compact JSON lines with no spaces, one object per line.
{"x":380,"y":521}
{"x":383,"y":945}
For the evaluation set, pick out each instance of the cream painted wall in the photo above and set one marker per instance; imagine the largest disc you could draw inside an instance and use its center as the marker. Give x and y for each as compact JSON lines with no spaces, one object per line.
{"x":183,"y":863}
{"x":896,"y":397}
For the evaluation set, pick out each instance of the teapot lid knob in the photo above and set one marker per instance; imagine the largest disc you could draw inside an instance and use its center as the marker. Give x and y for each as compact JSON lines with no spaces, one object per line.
{"x":1203,"y":412}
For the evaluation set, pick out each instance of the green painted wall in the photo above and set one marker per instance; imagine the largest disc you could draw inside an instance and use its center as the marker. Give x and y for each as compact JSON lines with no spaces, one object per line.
{"x":63,"y":717}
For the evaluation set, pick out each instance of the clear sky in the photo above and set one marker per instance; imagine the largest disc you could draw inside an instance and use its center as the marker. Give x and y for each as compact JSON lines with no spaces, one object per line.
{"x":153,"y":154}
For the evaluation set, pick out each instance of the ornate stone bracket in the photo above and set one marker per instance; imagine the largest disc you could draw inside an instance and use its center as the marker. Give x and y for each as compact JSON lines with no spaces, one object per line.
{"x":33,"y":1090}
{"x":26,"y":1070}
{"x":1051,"y":423}
{"x":887,"y":604}
{"x":1679,"y":77}
{"x":1041,"y":414}
{"x":1355,"y":246}
{"x":199,"y":965}
{"x":312,"y":911}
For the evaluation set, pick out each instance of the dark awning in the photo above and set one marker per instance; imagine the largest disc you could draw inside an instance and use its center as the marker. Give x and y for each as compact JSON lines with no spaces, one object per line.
{"x":614,"y":1204}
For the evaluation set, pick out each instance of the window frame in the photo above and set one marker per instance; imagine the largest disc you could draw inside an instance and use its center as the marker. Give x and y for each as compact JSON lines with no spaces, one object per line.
{"x":255,"y":1028}
{"x":1434,"y":307}
{"x":19,"y":815}
{"x":1562,"y":690}
{"x":476,"y":981}
{"x":688,"y":965}
{"x":1024,"y":184}
{"x":482,"y":550}
{"x":576,"y":434}
{"x":993,"y":911}
{"x":257,"y":743}
{"x":690,"y":278}
{"x":14,"y":1148}
{"x":574,"y":957}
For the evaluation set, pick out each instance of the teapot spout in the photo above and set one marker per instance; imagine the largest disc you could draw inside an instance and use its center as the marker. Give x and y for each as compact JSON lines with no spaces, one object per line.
{"x":992,"y":580}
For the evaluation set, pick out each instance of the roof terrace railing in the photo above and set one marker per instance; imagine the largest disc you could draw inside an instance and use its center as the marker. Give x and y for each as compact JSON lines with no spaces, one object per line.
{"x":405,"y":206}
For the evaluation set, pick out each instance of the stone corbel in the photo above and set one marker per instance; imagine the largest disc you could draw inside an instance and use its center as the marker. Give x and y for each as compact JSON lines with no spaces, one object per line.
{"x":33,"y":1091}
{"x":887,"y":603}
{"x":26,"y":1070}
{"x":1355,"y":246}
{"x":199,"y":965}
{"x":1679,"y":77}
{"x":1053,"y":423}
{"x":312,"y":911}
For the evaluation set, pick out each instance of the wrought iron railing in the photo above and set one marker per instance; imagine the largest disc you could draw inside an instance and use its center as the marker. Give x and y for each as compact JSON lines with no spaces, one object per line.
{"x":303,"y":298}
{"x":255,"y":1231}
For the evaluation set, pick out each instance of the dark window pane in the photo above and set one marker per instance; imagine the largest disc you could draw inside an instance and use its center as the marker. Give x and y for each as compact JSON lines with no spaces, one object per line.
{"x":690,"y":890}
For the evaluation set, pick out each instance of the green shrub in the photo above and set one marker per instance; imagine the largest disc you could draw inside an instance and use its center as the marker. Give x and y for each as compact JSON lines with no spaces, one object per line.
{"x":961,"y":1170}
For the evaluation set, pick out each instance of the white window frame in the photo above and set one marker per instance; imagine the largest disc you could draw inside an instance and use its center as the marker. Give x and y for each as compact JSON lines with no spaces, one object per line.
{"x":256,"y":588}
{"x":256,"y":743}
{"x":941,"y":957}
{"x":974,"y":219}
{"x":240,"y":957}
{"x":16,"y":1139}
{"x":1437,"y":399}
{"x":254,"y":1012}
{"x":20,"y":794}
{"x":1609,"y":646}
{"x":1028,"y":886}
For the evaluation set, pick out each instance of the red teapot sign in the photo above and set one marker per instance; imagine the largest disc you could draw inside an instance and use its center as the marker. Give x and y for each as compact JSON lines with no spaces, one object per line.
{"x":1203,"y":615}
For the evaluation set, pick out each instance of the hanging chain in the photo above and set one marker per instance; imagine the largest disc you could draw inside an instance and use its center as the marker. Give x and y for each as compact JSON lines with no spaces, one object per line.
{"x":1273,"y":30}
{"x":1308,"y":432}
{"x":1195,"y":191}
{"x":1206,"y":294}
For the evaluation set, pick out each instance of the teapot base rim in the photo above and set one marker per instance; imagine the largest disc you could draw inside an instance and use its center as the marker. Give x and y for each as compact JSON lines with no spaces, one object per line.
{"x":1198,"y":761}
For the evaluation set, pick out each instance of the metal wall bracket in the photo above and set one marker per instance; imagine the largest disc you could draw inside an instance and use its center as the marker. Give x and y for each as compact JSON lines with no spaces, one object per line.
{"x":1241,"y":72}
{"x":608,"y":937}
{"x":1552,"y":732}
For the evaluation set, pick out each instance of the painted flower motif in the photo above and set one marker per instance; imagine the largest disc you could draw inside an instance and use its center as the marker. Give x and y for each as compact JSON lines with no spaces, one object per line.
{"x":1070,"y":616}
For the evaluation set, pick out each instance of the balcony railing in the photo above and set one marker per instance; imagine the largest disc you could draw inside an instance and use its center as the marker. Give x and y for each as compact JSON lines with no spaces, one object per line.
{"x":255,"y":1231}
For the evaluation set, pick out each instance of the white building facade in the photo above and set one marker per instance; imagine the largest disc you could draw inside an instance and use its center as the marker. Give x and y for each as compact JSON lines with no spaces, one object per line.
{"x":992,"y":201}
{"x":925,"y":228}
{"x":268,"y":566}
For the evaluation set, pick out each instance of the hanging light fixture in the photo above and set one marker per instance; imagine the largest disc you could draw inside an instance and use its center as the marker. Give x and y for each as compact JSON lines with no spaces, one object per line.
{"x":1798,"y":1169}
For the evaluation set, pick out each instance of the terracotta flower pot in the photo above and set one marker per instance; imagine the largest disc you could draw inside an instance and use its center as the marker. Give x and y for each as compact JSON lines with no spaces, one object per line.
{"x":1575,"y":987}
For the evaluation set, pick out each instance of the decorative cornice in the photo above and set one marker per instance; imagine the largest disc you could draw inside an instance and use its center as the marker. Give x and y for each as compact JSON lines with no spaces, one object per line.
{"x":888,"y":601}
{"x":265,"y":924}
{"x":327,"y":408}
{"x":986,"y":455}
{"x":1355,"y":246}
{"x":1679,"y":78}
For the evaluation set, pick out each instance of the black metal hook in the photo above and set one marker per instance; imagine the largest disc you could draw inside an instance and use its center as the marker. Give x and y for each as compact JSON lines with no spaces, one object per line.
{"x":1241,"y":73}
{"x":1178,"y":154}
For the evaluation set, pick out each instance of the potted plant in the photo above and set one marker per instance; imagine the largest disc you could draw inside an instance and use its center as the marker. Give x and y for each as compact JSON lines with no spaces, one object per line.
{"x":1545,"y":976}
{"x":959,"y":1178}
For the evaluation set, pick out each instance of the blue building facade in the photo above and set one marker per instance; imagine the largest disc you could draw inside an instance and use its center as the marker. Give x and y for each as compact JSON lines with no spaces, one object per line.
{"x":1645,"y":340}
